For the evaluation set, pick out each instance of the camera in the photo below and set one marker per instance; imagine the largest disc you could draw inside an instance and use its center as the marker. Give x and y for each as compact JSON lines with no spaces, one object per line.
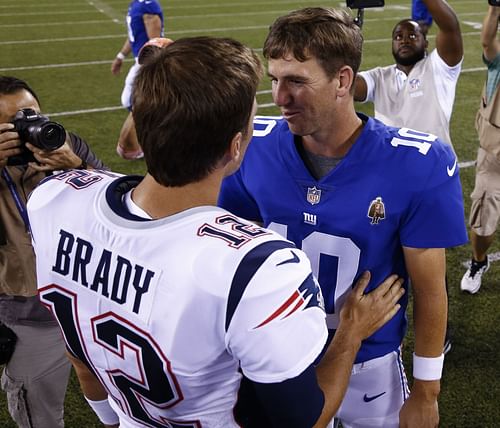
{"x":38,"y":130}
{"x":494,"y":2}
{"x":364,"y":4}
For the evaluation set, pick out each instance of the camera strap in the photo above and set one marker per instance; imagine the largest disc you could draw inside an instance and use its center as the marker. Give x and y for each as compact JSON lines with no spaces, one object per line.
{"x":21,"y":207}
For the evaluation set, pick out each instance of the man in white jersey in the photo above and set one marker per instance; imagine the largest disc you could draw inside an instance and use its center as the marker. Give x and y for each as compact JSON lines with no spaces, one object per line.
{"x":419,"y":90}
{"x":163,"y":297}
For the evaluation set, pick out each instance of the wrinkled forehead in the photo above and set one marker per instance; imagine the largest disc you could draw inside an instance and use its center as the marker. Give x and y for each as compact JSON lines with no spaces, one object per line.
{"x":407,"y":25}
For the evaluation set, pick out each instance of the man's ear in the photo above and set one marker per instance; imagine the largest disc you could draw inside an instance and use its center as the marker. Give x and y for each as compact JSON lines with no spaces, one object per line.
{"x":232,"y":158}
{"x":346,"y":80}
{"x":235,"y":147}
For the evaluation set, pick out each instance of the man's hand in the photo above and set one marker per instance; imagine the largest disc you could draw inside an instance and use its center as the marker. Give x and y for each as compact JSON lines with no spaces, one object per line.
{"x":116,"y":66}
{"x":9,"y":143}
{"x":363,"y":314}
{"x":62,"y":158}
{"x":420,"y":410}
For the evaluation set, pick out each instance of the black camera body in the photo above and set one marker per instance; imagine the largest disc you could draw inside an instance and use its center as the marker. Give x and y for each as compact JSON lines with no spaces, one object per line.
{"x":38,"y":130}
{"x":494,"y":2}
{"x":364,"y":4}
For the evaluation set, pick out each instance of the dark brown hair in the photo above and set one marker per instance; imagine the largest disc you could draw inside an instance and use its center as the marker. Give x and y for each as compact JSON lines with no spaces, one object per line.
{"x":190,"y":100}
{"x":11,"y":85}
{"x":329,"y":35}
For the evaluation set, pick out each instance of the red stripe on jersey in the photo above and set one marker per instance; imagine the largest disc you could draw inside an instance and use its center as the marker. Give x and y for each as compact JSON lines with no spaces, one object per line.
{"x":283,"y":308}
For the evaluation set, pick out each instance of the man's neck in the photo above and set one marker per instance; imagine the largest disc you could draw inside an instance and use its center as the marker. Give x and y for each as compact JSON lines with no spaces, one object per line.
{"x":337,"y":139}
{"x":160,"y":201}
{"x":406,"y":69}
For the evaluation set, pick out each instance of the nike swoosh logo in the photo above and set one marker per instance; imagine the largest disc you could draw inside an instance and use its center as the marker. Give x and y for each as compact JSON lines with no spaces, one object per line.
{"x":294,"y":259}
{"x":451,"y":170}
{"x":367,"y":399}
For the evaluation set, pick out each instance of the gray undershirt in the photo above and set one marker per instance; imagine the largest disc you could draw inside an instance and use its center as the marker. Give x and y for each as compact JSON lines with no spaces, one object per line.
{"x":318,"y":165}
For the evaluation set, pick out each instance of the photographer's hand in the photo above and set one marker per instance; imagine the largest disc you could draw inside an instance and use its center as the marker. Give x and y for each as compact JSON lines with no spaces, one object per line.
{"x":62,"y":158}
{"x":9,"y":143}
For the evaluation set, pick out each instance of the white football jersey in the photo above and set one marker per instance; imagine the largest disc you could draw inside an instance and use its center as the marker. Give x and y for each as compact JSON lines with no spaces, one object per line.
{"x":165,"y":311}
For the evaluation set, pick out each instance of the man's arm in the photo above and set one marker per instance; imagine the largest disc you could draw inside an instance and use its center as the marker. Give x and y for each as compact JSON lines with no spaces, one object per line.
{"x":360,"y":89}
{"x":117,"y":63}
{"x":491,"y":46}
{"x":153,"y":25}
{"x":91,"y":387}
{"x":449,"y":38}
{"x":360,"y":317}
{"x":427,"y":269}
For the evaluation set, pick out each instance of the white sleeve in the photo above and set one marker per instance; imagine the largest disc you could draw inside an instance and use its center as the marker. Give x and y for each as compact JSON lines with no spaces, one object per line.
{"x":446,"y":78}
{"x":370,"y":84}
{"x":279,"y":327}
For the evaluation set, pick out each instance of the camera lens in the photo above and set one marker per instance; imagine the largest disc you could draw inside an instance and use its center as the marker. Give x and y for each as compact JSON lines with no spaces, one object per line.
{"x":52,"y":136}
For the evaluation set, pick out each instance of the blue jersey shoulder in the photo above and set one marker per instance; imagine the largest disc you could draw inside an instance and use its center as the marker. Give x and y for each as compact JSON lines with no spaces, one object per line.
{"x":137,"y":33}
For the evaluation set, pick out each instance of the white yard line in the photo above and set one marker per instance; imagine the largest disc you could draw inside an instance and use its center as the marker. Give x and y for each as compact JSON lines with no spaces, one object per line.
{"x":107,"y":10}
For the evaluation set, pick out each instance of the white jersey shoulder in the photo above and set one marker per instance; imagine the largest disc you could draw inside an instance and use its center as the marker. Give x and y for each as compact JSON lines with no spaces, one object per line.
{"x":165,"y":311}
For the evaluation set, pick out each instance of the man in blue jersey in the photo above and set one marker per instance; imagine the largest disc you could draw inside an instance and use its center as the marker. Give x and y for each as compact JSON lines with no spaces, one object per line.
{"x":164,"y":297}
{"x":144,"y":21}
{"x":355,"y":195}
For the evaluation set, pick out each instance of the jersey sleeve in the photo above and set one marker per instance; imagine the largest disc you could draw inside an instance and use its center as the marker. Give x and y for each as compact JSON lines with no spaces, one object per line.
{"x":435,"y":218}
{"x":151,"y":8}
{"x":235,"y":198}
{"x":278,"y":328}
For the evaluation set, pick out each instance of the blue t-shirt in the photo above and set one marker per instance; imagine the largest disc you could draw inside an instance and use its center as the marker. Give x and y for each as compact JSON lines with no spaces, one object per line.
{"x":137,"y":34}
{"x":394,"y":188}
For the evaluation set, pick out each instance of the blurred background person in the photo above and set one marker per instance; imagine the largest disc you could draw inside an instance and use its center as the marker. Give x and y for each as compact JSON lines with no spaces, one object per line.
{"x":144,"y":21}
{"x":36,"y":376}
{"x":417,"y":91}
{"x":485,"y":208}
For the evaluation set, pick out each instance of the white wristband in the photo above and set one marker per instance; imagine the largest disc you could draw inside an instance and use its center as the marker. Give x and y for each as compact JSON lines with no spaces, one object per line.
{"x":104,"y":412}
{"x":425,"y":368}
{"x":120,"y":56}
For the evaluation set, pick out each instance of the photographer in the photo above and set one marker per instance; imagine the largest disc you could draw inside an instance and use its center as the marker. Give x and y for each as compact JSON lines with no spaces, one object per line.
{"x":485,"y":208}
{"x":36,"y":375}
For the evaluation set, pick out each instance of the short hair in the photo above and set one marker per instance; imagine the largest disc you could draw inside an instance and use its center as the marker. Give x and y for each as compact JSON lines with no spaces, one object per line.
{"x":416,"y":24}
{"x":190,"y":100}
{"x":11,"y":85}
{"x":329,"y":35}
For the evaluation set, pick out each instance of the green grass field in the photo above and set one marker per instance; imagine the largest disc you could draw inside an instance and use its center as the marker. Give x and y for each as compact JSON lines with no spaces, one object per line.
{"x":64,"y":50}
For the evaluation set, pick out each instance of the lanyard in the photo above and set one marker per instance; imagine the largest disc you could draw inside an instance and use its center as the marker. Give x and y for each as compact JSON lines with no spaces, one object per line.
{"x":17,"y":199}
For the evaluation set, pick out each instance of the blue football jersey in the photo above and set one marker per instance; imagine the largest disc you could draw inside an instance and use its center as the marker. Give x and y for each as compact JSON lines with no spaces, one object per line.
{"x":137,"y":34}
{"x":394,"y":188}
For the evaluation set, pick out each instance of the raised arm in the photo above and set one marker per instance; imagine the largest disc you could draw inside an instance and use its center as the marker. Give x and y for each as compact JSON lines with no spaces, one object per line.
{"x":449,"y":37}
{"x":491,"y":45}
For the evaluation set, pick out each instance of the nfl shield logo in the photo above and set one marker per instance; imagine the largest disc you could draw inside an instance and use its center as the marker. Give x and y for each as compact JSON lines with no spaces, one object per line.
{"x":414,"y":84}
{"x":313,"y":195}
